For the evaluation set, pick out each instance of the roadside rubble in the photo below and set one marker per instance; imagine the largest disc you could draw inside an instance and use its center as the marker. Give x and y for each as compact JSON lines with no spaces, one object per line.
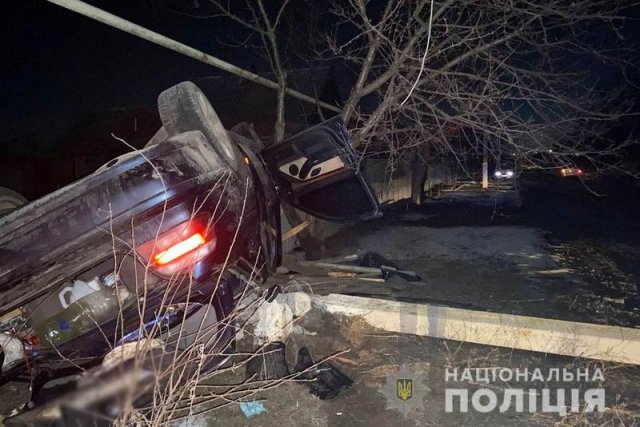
{"x":251,"y":409}
{"x":339,"y":350}
{"x":368,"y":355}
{"x":481,"y":327}
{"x":268,"y":328}
{"x":370,"y":266}
{"x":325,"y":380}
{"x":273,"y":320}
{"x":358,"y":290}
{"x":339,"y":281}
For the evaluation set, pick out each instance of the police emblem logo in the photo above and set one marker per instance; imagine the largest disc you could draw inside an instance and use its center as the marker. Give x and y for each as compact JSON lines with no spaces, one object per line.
{"x":404,"y":388}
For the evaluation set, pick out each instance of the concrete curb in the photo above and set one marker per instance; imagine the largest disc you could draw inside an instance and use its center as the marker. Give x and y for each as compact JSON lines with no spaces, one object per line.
{"x":602,"y":342}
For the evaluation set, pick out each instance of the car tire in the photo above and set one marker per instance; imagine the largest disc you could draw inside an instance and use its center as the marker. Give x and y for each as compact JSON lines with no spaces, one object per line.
{"x":184,"y":107}
{"x":10,"y":200}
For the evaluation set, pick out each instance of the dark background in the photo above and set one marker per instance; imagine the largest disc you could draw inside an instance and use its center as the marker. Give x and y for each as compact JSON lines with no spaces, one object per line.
{"x":69,"y":81}
{"x":59,"y":65}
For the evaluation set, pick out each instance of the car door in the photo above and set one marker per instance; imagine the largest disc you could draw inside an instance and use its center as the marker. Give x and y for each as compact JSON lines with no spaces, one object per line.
{"x":317,"y":171}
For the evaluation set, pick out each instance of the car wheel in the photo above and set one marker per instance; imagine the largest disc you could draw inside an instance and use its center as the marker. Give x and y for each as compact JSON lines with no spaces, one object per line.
{"x":184,"y":107}
{"x":10,"y":200}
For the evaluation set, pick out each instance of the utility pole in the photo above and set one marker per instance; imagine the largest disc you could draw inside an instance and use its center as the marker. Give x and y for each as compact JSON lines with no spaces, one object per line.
{"x":146,"y":34}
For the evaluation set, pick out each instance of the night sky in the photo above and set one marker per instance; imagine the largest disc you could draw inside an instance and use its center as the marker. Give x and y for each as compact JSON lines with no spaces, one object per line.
{"x":59,"y":65}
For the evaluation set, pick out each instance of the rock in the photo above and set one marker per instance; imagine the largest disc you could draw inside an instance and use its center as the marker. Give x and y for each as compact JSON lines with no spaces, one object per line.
{"x":272,"y":321}
{"x":298,"y":302}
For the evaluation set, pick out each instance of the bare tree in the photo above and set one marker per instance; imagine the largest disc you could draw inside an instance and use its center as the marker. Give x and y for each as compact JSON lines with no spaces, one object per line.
{"x":515,"y":78}
{"x":459,"y":78}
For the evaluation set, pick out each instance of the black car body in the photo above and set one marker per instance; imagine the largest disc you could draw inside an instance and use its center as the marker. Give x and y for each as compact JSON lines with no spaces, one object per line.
{"x":175,"y":224}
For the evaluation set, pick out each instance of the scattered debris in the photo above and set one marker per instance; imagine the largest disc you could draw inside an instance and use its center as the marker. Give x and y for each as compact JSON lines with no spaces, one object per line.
{"x":326,"y":381}
{"x":388,"y":267}
{"x":341,"y":274}
{"x":341,"y":259}
{"x":370,"y":267}
{"x":356,"y":276}
{"x":251,"y":409}
{"x":298,"y":302}
{"x":614,"y":300}
{"x":272,"y":321}
{"x":375,"y":260}
{"x":340,"y":267}
{"x":296,"y":230}
{"x":409,"y":276}
{"x":371,"y":279}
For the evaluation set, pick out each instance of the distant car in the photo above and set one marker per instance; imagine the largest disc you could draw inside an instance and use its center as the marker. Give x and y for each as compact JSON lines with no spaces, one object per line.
{"x":564,"y":172}
{"x":504,"y":174}
{"x":182,"y":223}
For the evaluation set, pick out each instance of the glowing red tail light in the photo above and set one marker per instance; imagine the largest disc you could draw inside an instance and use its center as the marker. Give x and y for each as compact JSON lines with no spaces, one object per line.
{"x":179,"y":248}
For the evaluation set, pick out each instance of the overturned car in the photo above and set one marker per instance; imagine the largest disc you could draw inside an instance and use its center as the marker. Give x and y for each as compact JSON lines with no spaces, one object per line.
{"x":159,"y":234}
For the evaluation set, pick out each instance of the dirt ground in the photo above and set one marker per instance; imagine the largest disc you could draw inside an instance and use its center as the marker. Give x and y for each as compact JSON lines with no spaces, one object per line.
{"x":371,"y":355}
{"x":562,"y":254}
{"x":512,"y":269}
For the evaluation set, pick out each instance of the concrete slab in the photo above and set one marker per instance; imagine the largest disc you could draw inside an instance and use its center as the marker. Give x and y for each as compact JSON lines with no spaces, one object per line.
{"x":602,"y":342}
